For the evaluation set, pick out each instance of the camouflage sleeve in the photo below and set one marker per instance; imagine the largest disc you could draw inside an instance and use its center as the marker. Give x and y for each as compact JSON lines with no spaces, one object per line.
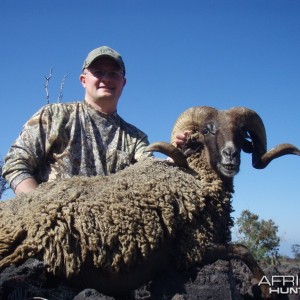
{"x":28,"y":151}
{"x":140,"y":149}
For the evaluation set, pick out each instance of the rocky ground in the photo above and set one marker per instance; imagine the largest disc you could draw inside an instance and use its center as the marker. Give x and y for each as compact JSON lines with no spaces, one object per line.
{"x":220,"y":280}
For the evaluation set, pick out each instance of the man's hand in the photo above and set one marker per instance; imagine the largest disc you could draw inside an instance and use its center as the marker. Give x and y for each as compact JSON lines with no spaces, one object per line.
{"x":181,"y":138}
{"x":26,"y":186}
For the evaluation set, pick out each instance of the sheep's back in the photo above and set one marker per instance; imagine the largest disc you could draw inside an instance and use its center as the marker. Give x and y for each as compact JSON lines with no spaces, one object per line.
{"x":110,"y":222}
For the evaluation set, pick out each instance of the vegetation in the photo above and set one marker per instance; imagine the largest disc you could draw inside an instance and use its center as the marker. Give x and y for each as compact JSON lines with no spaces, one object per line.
{"x":62,"y":84}
{"x":260,"y":236}
{"x":296,"y":251}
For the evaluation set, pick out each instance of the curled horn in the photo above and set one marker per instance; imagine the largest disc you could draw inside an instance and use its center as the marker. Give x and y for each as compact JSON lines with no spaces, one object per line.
{"x":253,"y":125}
{"x":171,"y":151}
{"x":191,"y":119}
{"x":279,"y":150}
{"x":188,"y":120}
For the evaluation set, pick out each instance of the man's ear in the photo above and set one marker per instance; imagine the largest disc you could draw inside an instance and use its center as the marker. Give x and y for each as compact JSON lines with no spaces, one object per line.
{"x":82,"y":80}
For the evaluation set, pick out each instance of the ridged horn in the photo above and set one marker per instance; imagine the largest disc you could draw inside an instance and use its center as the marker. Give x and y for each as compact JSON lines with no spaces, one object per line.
{"x":191,"y":119}
{"x":171,"y":151}
{"x":279,"y":150}
{"x":253,"y":124}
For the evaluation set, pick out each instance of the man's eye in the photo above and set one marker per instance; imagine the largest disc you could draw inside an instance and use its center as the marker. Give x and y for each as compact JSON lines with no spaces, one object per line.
{"x":113,"y":74}
{"x":101,"y":74}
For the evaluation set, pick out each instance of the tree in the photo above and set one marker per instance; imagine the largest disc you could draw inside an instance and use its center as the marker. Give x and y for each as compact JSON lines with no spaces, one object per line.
{"x":62,"y":84}
{"x":296,"y":251}
{"x":3,"y":183}
{"x":259,"y":236}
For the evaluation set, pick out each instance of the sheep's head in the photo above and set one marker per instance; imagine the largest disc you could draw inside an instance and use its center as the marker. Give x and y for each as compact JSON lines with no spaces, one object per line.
{"x":223,"y":134}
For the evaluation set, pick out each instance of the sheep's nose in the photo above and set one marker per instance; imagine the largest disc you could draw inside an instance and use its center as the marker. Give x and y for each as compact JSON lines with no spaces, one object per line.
{"x":230,"y":153}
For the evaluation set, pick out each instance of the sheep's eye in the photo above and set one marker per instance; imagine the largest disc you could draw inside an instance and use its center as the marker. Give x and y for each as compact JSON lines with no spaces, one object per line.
{"x":205,"y":131}
{"x":209,"y":129}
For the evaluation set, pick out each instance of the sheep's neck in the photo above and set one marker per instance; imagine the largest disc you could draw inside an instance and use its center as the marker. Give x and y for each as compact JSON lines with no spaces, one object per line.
{"x":198,"y":162}
{"x":217,"y":190}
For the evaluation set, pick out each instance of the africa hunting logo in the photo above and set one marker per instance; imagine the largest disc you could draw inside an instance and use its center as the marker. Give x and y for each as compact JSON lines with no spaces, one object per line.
{"x":282,"y":284}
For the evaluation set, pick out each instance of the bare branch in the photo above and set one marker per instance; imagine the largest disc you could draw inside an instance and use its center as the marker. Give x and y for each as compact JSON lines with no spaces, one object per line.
{"x":62,"y":84}
{"x":47,"y":84}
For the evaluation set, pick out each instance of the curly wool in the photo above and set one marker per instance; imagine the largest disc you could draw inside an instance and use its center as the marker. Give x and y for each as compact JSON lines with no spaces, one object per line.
{"x":117,"y":221}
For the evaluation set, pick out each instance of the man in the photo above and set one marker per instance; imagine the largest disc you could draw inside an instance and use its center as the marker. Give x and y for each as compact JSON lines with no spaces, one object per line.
{"x":80,"y":138}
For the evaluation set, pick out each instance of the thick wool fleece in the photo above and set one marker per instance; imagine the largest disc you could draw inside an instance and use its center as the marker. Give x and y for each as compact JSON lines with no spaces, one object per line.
{"x":117,"y":221}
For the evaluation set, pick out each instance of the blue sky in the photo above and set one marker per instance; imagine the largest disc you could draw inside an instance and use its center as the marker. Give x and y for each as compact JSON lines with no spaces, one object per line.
{"x":178,"y":54}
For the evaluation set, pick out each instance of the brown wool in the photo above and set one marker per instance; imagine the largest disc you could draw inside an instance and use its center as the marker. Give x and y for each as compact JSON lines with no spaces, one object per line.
{"x":117,"y":220}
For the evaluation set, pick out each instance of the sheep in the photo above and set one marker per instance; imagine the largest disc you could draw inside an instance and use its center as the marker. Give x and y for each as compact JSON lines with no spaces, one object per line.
{"x":115,"y":233}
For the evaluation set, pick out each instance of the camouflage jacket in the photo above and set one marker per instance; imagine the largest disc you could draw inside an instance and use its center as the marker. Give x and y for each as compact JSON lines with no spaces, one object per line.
{"x":67,"y":139}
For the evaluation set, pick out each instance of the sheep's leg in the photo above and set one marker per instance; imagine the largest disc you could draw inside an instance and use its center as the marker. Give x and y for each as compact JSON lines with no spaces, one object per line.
{"x":241,"y":252}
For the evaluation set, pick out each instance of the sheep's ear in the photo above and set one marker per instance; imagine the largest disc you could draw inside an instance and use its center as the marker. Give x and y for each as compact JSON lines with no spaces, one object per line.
{"x":192,"y":146}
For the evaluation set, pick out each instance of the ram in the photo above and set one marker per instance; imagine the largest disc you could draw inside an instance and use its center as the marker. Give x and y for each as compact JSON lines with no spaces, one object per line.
{"x":116,"y":233}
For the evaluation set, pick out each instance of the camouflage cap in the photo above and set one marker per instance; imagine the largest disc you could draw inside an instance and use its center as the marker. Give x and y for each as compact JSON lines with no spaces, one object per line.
{"x":103,"y":51}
